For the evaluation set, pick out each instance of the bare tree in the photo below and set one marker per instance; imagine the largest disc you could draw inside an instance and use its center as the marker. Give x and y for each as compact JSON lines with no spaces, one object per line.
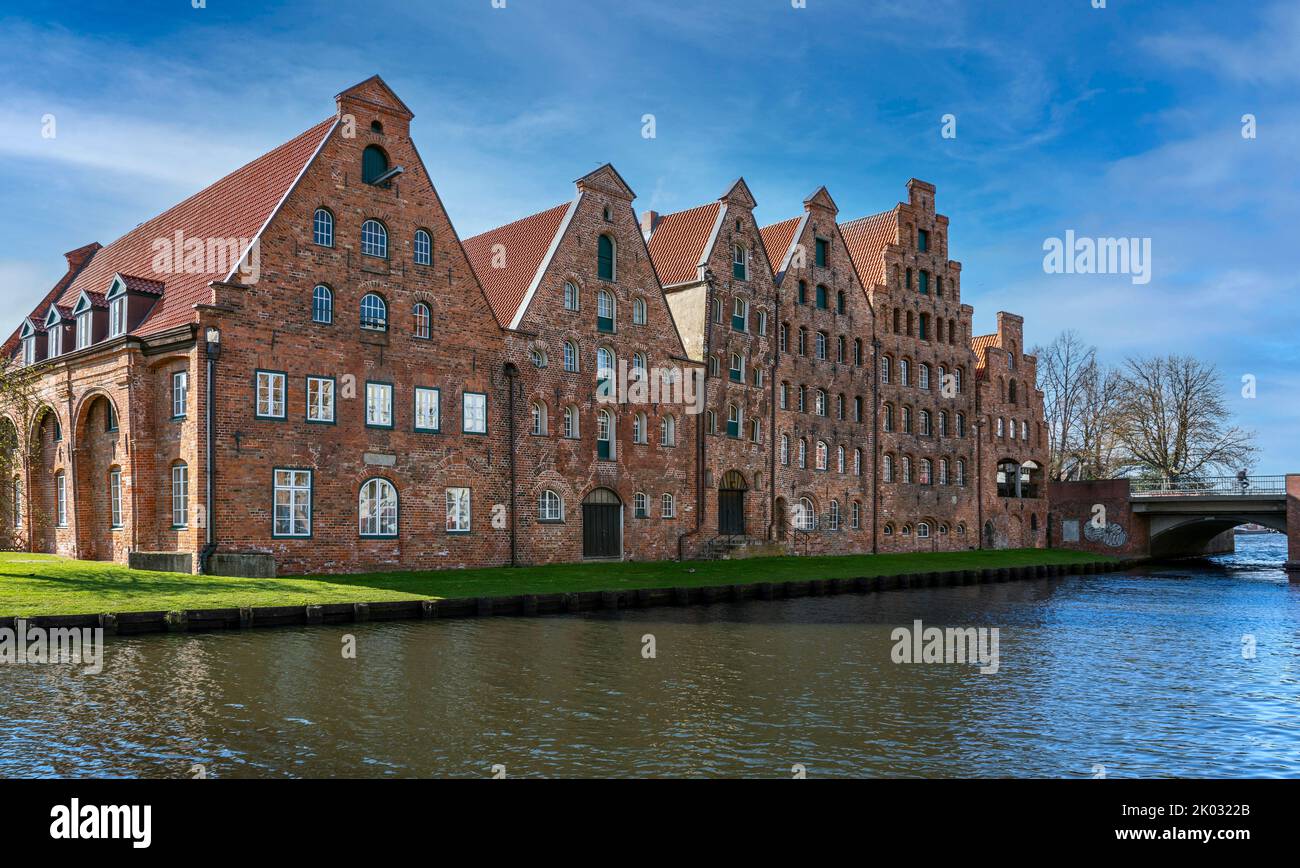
{"x":1098,"y":452}
{"x":1078,"y":398}
{"x":1173,"y":423}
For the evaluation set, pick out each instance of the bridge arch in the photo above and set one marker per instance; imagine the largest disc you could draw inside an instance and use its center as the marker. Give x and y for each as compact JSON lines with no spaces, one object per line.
{"x":1188,"y":536}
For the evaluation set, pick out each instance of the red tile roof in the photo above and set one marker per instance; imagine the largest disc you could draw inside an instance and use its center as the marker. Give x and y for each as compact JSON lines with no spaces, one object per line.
{"x":777,"y":239}
{"x":866,"y":238}
{"x":525,"y":243}
{"x":981,"y":343}
{"x":677,"y":245}
{"x":235,"y":207}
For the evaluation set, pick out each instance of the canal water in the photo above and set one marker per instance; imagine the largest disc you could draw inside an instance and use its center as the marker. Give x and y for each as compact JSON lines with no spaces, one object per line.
{"x":1187,"y":670}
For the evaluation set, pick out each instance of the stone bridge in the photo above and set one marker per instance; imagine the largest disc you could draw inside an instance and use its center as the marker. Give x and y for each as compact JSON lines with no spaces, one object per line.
{"x":1173,"y":520}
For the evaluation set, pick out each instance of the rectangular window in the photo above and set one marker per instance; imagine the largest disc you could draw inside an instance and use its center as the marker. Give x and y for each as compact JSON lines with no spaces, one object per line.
{"x":822,"y":246}
{"x":737,"y":370}
{"x":61,"y":499}
{"x":474,"y":413}
{"x":292,"y":503}
{"x":29,"y":351}
{"x":604,"y":311}
{"x":56,"y":341}
{"x":320,"y":399}
{"x":83,"y":330}
{"x":270,"y":395}
{"x":458,"y":510}
{"x":180,"y":394}
{"x":379,"y":405}
{"x":117,"y":316}
{"x":739,"y":315}
{"x":924,"y":284}
{"x":180,"y":496}
{"x":739,"y":263}
{"x":115,"y":498}
{"x":922,"y":240}
{"x":427,"y":405}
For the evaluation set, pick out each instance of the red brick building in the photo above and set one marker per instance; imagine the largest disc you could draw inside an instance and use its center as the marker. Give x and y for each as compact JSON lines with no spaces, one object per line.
{"x":301,"y":368}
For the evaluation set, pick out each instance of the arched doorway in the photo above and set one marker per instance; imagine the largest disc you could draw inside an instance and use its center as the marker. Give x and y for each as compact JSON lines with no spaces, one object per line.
{"x":731,"y":504}
{"x":602,"y":524}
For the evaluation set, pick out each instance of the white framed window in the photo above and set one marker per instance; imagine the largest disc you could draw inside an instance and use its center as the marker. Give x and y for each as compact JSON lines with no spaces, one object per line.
{"x":320,"y":399}
{"x":834,"y":518}
{"x":855,"y":515}
{"x":668,"y":431}
{"x":61,"y":499}
{"x":638,"y":311}
{"x":117,"y":316}
{"x":640,"y":505}
{"x":379,"y":405}
{"x":785,"y":449}
{"x":322,"y":228}
{"x":572,"y":300}
{"x":115,"y":497}
{"x":292,"y":503}
{"x":922,"y":530}
{"x":474,"y":413}
{"x":570,"y":356}
{"x":923,"y":376}
{"x":761,"y":323}
{"x":374,"y":239}
{"x":427,"y":407}
{"x":377,"y":509}
{"x":857,"y":462}
{"x":55,"y":340}
{"x":29,"y":351}
{"x":820,"y":346}
{"x":322,"y":304}
{"x":180,"y":394}
{"x":739,"y":314}
{"x":374,"y":313}
{"x":839,"y":459}
{"x":805,"y":516}
{"x":550,"y":507}
{"x":571,"y":422}
{"x":739,"y":262}
{"x":803,"y":453}
{"x":270,"y":394}
{"x":422,"y":320}
{"x":537,"y":411}
{"x":886,"y":365}
{"x":961,"y":472}
{"x":821,"y":456}
{"x":639,"y":434}
{"x":423,"y":248}
{"x":668,"y":506}
{"x":605,"y":310}
{"x":85,"y":324}
{"x":180,"y":495}
{"x":458,"y":510}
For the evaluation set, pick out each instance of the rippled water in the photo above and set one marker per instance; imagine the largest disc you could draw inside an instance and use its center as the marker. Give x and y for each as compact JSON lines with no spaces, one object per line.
{"x":1142,"y":674}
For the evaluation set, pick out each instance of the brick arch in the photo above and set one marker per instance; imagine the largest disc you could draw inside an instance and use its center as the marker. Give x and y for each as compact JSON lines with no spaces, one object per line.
{"x":46,"y":457}
{"x":11,"y":466}
{"x":98,"y":450}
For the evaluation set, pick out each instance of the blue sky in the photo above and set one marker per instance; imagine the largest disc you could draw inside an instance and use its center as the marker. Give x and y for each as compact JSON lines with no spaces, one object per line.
{"x":1122,"y":121}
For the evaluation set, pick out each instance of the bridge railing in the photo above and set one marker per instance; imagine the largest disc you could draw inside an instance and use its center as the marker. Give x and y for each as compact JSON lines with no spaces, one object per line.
{"x":1209,"y":485}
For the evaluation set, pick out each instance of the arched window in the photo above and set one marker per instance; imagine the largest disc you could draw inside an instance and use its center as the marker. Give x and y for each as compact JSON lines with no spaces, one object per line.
{"x":605,"y":309}
{"x":668,"y":507}
{"x":943,"y":423}
{"x":855,"y":517}
{"x":639,"y":434}
{"x":904,"y":372}
{"x":839,"y":459}
{"x":377,"y":508}
{"x":961,"y":424}
{"x":60,"y":499}
{"x":803,"y":453}
{"x":572,"y":300}
{"x":606,"y":366}
{"x":907,"y":420}
{"x":640,"y":505}
{"x":839,"y":301}
{"x":783,"y":337}
{"x":803,"y":341}
{"x":423,"y":248}
{"x":638,"y":311}
{"x":180,"y":494}
{"x":550,"y":507}
{"x":322,"y":228}
{"x":570,"y":356}
{"x":374,"y":239}
{"x":605,"y":258}
{"x":1011,"y":392}
{"x":322,"y":304}
{"x":925,"y":423}
{"x":923,"y":376}
{"x":803,"y":292}
{"x":538,"y":357}
{"x":857,"y":462}
{"x":17,"y":502}
{"x":886,"y":366}
{"x":887,"y":468}
{"x":888,"y":530}
{"x":604,"y":435}
{"x":733,"y":420}
{"x":422,"y":320}
{"x":374,"y":313}
{"x":887,"y":418}
{"x":819,"y":403}
{"x":926,"y":467}
{"x":668,"y":431}
{"x":374,"y":163}
{"x":961,"y":472}
{"x":943,"y":471}
{"x":571,"y":422}
{"x":922,"y":530}
{"x":805,"y":516}
{"x":905,"y":467}
{"x":857,"y":351}
{"x":834,"y":517}
{"x":821,"y":455}
{"x":538,"y":410}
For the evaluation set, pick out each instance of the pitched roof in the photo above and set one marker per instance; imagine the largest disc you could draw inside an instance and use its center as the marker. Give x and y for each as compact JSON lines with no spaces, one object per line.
{"x":525,"y":243}
{"x":777,"y":239}
{"x":981,"y":343}
{"x":679,"y":243}
{"x":236,"y":207}
{"x":866,"y":238}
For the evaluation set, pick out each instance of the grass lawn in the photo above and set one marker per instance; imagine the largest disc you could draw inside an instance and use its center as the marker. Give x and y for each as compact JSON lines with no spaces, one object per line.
{"x":33,"y":584}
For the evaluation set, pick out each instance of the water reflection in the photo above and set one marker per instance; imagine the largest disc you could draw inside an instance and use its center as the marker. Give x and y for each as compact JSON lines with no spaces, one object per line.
{"x":1141,"y":674}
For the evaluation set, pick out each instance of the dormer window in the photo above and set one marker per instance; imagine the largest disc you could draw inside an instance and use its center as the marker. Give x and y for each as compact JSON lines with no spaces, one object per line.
{"x":53,"y":333}
{"x":29,"y":350}
{"x":83,"y":330}
{"x":83,"y":313}
{"x":117,"y":312}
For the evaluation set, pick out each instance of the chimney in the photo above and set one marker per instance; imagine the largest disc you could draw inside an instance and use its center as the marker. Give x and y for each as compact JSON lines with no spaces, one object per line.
{"x":79,"y":257}
{"x":649,"y":220}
